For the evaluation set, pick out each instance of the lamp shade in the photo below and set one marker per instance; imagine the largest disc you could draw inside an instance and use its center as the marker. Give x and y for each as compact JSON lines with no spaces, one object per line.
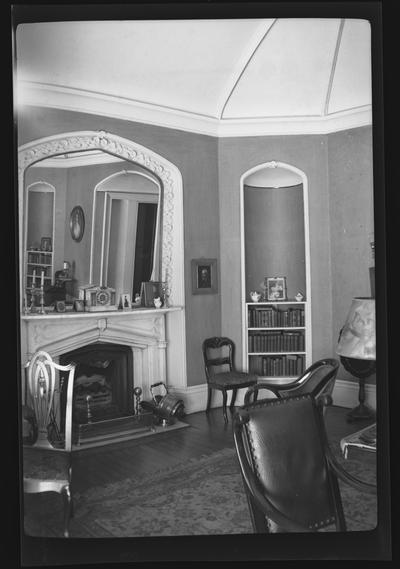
{"x":357,"y":338}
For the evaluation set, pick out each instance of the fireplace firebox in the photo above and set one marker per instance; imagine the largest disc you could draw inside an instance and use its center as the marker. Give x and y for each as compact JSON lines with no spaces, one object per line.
{"x":104,"y":401}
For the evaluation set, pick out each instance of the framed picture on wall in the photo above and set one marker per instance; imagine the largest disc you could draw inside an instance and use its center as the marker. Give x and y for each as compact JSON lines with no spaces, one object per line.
{"x":77,"y":223}
{"x":276,"y":288}
{"x":204,"y":276}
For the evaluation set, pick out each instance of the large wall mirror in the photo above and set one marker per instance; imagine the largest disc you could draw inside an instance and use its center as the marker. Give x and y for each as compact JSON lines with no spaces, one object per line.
{"x":120,"y":206}
{"x":130,"y":200}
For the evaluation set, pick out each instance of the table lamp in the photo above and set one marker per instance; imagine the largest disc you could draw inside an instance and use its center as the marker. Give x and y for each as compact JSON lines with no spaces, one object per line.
{"x":357,"y":350}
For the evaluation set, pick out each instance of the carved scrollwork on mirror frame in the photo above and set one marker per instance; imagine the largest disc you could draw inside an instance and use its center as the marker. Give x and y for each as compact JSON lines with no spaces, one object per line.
{"x":125,"y":149}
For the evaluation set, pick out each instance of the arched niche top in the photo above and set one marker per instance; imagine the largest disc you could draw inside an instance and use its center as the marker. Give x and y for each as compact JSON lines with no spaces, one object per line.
{"x":273,"y":174}
{"x":273,"y":177}
{"x":287,"y":172}
{"x":168,"y":174}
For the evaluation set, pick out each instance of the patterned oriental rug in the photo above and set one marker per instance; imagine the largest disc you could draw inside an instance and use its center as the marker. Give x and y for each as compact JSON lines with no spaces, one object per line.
{"x":200,"y":497}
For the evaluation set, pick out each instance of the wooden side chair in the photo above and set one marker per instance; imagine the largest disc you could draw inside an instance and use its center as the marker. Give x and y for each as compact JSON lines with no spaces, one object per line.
{"x":289,"y":472}
{"x":47,"y":461}
{"x":219,"y":357}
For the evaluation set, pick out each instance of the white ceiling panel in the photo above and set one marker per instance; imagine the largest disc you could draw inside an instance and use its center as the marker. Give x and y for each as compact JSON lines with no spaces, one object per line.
{"x":352,"y":81}
{"x":184,"y":64}
{"x":289,"y":74}
{"x":220,"y":77}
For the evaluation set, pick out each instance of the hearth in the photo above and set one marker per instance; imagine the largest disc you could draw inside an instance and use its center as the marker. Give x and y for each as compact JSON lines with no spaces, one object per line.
{"x":104,"y":402}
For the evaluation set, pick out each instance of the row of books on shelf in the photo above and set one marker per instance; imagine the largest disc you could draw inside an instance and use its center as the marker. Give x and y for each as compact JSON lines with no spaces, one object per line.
{"x":272,"y":317}
{"x":37,"y":270}
{"x":276,"y":342}
{"x":39,"y":257}
{"x":277,"y":366}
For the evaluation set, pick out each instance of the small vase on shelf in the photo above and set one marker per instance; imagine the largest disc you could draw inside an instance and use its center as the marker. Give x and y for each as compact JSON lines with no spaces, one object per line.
{"x":255,"y":296}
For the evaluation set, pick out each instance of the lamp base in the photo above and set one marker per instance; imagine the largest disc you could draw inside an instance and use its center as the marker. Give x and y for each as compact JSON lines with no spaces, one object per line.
{"x":360,"y":413}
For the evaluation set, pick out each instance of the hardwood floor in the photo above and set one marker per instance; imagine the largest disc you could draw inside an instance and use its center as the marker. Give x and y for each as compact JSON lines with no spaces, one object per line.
{"x":206,"y":434}
{"x":139,"y":457}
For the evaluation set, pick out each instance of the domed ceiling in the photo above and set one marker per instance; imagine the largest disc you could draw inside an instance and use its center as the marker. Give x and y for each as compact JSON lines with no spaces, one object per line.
{"x":218,"y":77}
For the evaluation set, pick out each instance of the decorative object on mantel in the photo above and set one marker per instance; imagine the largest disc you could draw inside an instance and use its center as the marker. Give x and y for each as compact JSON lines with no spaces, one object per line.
{"x":158,"y":302}
{"x":204,"y":276}
{"x":276,"y":288}
{"x":299,"y":296}
{"x":79,"y":306}
{"x":60,"y":305}
{"x":151,"y":290}
{"x":77,"y":223}
{"x":125,"y":302}
{"x":255,"y":296}
{"x":357,"y":347}
{"x":97,"y":298}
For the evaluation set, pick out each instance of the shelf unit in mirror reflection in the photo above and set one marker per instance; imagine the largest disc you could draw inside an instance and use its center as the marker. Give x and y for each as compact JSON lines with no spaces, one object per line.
{"x":278,"y":342}
{"x":38,"y":262}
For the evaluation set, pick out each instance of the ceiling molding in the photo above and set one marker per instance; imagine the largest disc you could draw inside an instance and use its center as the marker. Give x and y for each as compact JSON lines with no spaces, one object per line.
{"x":63,"y":98}
{"x":333,"y":68}
{"x":252,"y":47}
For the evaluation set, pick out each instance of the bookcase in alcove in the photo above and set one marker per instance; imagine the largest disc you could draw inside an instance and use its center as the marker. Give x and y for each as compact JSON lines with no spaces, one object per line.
{"x":276,"y":334}
{"x":277,"y":339}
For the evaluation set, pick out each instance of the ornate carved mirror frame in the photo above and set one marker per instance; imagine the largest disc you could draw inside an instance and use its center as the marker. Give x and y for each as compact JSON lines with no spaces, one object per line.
{"x":170,"y":177}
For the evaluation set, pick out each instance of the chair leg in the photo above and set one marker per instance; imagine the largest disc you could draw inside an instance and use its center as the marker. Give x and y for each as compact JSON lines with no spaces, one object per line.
{"x":233,"y":399}
{"x":224,"y":398}
{"x":66,"y":493}
{"x":208,"y":399}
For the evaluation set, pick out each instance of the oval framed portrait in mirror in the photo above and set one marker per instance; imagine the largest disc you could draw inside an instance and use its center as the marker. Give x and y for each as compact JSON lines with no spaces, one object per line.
{"x":77,"y":223}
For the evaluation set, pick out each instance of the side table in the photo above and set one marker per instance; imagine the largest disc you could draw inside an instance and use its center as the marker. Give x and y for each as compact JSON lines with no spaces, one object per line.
{"x":365,"y":439}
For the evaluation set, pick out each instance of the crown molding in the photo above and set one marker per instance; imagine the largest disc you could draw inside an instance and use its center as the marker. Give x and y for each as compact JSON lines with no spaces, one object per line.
{"x":69,"y":99}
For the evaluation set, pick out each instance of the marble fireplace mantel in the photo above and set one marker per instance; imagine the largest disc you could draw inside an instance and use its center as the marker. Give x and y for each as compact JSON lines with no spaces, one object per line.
{"x":144,"y":330}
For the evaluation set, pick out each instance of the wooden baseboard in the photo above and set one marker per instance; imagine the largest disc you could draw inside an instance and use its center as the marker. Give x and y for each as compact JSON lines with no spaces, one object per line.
{"x":345,"y":394}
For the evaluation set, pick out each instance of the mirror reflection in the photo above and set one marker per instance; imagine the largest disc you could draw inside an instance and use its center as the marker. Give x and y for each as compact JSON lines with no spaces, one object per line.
{"x":119,"y":244}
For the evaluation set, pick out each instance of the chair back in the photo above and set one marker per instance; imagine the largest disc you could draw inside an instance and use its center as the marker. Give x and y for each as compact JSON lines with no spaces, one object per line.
{"x":280,"y":446}
{"x":318,"y":379}
{"x":50,"y":396}
{"x":218,"y":355}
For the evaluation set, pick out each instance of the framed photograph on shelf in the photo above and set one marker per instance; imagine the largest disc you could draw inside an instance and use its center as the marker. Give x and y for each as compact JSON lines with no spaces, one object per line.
{"x":151,"y":290}
{"x":45,"y":244}
{"x":204,"y":276}
{"x":125,"y":301}
{"x":276,"y":288}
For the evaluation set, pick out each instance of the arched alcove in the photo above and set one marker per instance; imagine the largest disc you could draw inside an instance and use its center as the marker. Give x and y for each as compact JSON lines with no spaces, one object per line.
{"x":275,"y":243}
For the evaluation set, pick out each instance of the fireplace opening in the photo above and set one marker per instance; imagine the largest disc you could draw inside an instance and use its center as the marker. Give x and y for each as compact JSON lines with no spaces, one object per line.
{"x":103,"y":401}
